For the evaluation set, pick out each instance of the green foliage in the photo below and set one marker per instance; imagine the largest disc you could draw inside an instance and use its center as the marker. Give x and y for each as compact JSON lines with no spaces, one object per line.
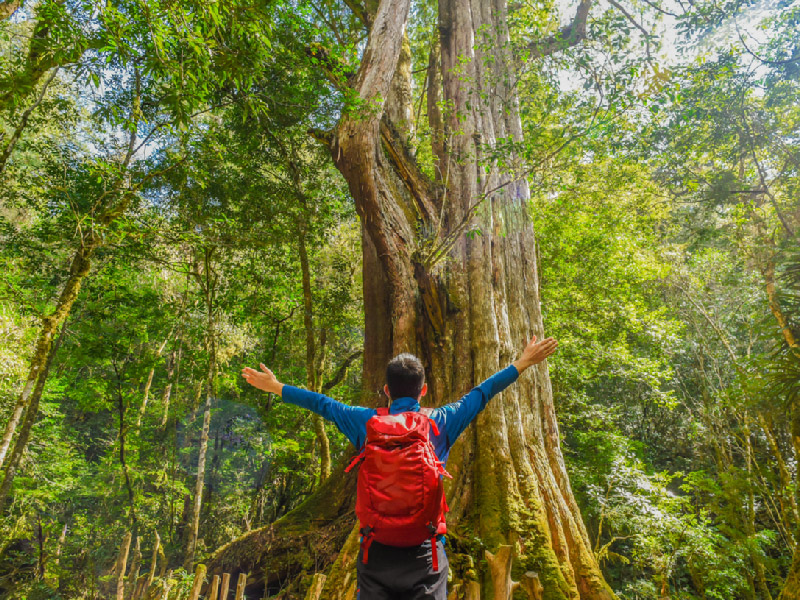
{"x":664,"y":199}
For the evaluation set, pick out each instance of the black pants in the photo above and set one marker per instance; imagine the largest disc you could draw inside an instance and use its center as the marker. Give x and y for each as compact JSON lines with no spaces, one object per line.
{"x":402,"y":573}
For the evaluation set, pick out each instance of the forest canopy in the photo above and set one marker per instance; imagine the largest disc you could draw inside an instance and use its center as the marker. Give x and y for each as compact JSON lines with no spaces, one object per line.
{"x":189,"y":188}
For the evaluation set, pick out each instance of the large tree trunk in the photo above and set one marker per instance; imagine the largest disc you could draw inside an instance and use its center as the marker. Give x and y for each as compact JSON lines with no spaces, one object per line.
{"x":466,"y":304}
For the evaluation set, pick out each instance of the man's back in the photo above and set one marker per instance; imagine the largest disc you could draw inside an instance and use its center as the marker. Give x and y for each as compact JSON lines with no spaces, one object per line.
{"x":420,"y":571}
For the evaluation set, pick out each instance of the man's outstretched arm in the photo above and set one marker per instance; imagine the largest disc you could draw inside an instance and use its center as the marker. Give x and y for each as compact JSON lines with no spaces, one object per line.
{"x":458,"y":415}
{"x":351,"y":420}
{"x":263,"y":380}
{"x":534,"y":353}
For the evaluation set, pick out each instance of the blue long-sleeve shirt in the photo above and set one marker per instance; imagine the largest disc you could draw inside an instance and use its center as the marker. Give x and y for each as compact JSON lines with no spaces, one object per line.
{"x":451,"y":419}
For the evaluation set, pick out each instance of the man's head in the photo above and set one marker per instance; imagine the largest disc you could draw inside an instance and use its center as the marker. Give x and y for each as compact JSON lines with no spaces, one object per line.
{"x":405,"y":376}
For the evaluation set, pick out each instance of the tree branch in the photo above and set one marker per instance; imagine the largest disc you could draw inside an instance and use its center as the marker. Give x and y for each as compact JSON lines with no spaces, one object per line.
{"x":360,"y":12}
{"x":417,"y":183}
{"x":341,"y":372}
{"x":636,"y":24}
{"x":24,"y":122}
{"x":338,"y":73}
{"x":773,"y":63}
{"x":570,"y":35}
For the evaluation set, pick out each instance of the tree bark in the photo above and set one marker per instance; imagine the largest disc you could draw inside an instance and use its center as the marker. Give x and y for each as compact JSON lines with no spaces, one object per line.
{"x":199,"y":482}
{"x":768,"y":271}
{"x":122,"y":562}
{"x":165,"y":396}
{"x":136,"y":563}
{"x":791,"y":587}
{"x":153,"y":564}
{"x":467,"y":304}
{"x":55,"y":573}
{"x":148,"y":383}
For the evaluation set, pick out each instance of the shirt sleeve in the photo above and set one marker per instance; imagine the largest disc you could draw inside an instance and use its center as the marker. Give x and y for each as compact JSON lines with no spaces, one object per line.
{"x":351,"y":420}
{"x":455,"y":417}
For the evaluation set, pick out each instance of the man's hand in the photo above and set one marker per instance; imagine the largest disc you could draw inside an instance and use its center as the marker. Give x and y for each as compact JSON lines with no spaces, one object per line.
{"x":535,"y":352}
{"x":263,"y":380}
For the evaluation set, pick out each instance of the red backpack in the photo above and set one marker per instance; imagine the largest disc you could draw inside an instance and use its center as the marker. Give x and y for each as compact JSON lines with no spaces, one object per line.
{"x":400,"y":499}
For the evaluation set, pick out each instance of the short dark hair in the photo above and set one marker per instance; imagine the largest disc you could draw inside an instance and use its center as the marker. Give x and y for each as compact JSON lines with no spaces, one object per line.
{"x":405,"y":376}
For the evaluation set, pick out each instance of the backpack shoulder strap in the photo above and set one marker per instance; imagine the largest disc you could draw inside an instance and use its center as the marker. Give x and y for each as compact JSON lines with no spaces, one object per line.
{"x":427,"y":411}
{"x":382,"y":411}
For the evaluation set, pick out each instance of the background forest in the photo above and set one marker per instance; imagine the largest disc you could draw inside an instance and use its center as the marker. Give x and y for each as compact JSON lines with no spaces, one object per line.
{"x":170,"y":213}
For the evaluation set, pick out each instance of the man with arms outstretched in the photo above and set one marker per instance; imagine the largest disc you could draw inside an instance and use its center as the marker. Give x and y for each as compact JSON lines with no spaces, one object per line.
{"x":402,"y":571}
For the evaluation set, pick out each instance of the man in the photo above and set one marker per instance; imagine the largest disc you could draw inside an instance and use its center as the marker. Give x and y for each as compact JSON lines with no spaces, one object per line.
{"x":419,"y":571}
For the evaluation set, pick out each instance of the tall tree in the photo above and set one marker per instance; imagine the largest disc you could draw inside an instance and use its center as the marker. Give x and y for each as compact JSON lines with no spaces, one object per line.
{"x":450,"y":273}
{"x":466,"y":303}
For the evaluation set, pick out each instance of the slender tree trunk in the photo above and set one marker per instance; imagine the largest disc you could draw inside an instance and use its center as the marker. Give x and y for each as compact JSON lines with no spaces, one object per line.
{"x":27,"y":425}
{"x":791,"y":587}
{"x":312,"y":372}
{"x":786,"y":497}
{"x":200,"y":481}
{"x":81,"y":263}
{"x":768,"y":271}
{"x":198,"y":393}
{"x":145,"y":397}
{"x":114,"y":204}
{"x":165,"y":396}
{"x":136,"y":563}
{"x":209,"y":288}
{"x":750,"y":519}
{"x":54,"y":576}
{"x":324,"y":448}
{"x":122,"y":562}
{"x":148,"y":383}
{"x":153,"y":563}
{"x":40,"y":538}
